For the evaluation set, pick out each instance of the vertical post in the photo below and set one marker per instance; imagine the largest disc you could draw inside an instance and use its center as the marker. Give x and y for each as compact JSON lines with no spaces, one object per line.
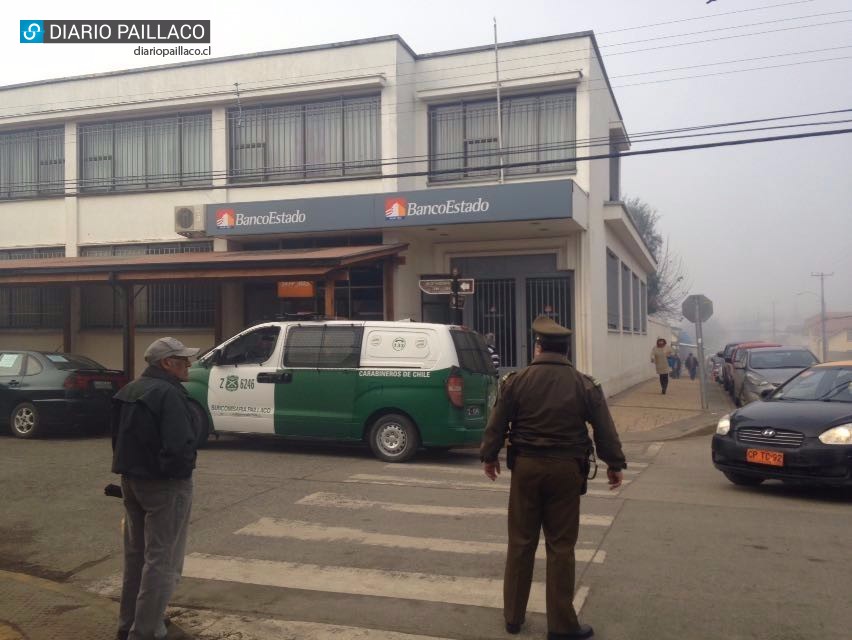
{"x":129,"y":337}
{"x":218,"y":321}
{"x":773,"y":321}
{"x":699,"y":339}
{"x":67,"y":347}
{"x":387,"y":276}
{"x":499,"y":112}
{"x":329,"y":298}
{"x":822,"y":277}
{"x":455,"y":307}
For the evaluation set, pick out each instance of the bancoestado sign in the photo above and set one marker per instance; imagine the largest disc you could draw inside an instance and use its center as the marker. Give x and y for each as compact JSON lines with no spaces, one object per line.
{"x":464,"y":205}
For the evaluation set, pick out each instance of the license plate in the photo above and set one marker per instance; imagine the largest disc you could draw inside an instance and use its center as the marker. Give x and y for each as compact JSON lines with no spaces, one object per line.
{"x":102,"y":384}
{"x":760,"y":456}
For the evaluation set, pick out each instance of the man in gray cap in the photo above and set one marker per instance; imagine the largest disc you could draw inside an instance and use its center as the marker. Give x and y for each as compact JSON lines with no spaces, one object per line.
{"x":547,"y":405}
{"x":154,"y":441}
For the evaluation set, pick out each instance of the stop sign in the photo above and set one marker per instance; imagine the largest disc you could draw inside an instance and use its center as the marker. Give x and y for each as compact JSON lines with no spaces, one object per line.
{"x":697,"y":308}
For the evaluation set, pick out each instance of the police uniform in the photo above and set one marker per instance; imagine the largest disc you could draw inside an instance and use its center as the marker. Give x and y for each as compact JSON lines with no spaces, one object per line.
{"x":544,"y":409}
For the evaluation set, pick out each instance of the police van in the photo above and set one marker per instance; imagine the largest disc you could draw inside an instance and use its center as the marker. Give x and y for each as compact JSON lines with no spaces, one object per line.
{"x":398,"y":386}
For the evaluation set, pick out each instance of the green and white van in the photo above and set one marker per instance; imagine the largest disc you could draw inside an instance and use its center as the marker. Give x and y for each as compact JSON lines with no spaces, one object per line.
{"x":396,"y":385}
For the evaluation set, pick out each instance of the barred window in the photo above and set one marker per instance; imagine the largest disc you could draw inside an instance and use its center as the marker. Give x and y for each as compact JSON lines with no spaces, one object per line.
{"x":174,"y":304}
{"x":36,"y":253}
{"x":611,"y":290}
{"x":625,"y":297}
{"x":146,"y":154}
{"x":537,"y":130}
{"x":305,"y":141}
{"x":32,"y":307}
{"x":636,"y":310}
{"x":32,"y":163}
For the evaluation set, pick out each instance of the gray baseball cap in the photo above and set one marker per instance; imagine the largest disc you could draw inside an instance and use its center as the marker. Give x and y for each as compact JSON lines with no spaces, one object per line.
{"x":166,"y":348}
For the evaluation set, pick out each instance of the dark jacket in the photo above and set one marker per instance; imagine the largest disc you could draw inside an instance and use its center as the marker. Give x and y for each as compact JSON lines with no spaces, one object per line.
{"x":548,"y":405}
{"x":153,"y":430}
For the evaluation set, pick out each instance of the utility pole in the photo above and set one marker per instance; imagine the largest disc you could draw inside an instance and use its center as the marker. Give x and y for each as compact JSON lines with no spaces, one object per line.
{"x":822,"y":277}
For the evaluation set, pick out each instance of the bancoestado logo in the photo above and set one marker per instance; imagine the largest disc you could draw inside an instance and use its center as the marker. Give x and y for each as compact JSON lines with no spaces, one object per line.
{"x":115,"y":31}
{"x":229,"y":219}
{"x":397,"y":208}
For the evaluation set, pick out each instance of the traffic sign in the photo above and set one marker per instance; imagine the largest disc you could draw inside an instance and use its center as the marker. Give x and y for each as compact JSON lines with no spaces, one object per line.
{"x":697,"y":308}
{"x":444,"y":286}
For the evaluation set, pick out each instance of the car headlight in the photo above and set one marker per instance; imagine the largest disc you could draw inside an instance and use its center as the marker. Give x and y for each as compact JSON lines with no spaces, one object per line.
{"x":758,"y":381}
{"x":837,"y":435}
{"x":724,"y":425}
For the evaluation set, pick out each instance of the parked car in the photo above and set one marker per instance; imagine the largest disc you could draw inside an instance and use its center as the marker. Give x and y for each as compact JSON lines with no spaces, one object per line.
{"x":728,"y":367}
{"x":802,"y":431}
{"x":394,"y":385}
{"x":42,"y":390}
{"x":760,"y":368}
{"x":725,"y":356}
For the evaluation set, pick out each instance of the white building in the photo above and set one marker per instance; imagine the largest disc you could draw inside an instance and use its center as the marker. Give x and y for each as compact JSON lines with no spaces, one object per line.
{"x":192,"y":198}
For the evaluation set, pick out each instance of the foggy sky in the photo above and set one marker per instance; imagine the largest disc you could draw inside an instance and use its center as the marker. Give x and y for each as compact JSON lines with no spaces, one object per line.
{"x":751,"y":223}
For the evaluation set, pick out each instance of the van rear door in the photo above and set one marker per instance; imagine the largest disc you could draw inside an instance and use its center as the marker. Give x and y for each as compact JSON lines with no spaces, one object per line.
{"x":478,"y":374}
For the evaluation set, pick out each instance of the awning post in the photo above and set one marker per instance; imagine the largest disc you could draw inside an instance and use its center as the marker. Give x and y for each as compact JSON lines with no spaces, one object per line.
{"x":129,"y":332}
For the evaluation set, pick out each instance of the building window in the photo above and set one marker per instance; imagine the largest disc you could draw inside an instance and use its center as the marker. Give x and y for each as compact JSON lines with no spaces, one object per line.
{"x":37,"y":253}
{"x":636,"y":309}
{"x":32,"y":307}
{"x":537,"y":130}
{"x":626,"y":316}
{"x":156,"y":153}
{"x":305,"y":141}
{"x":32,"y":163}
{"x":644,"y":303}
{"x":611,"y":290}
{"x":173,"y":304}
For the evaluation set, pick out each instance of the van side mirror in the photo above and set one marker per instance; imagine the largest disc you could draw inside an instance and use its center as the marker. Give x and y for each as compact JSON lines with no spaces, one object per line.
{"x":765,"y":393}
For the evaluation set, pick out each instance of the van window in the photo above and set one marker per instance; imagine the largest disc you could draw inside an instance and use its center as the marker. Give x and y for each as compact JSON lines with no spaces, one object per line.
{"x":473,"y":352}
{"x":256,"y":346}
{"x":322,"y":347}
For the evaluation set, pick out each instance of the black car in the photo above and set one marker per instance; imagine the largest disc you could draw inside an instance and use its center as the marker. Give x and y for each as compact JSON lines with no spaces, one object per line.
{"x":800,"y":432}
{"x":43,"y":390}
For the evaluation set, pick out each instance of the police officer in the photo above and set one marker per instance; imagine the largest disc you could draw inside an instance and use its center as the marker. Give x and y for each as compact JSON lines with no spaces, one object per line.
{"x":544,"y":409}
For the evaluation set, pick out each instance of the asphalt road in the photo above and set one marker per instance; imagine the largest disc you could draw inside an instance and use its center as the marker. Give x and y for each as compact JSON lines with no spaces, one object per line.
{"x":304,"y":541}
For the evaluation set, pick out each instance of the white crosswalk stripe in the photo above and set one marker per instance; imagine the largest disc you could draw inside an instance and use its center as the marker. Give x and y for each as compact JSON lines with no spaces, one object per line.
{"x":369,"y":478}
{"x":308,"y":531}
{"x":467,"y":470}
{"x":334,"y":500}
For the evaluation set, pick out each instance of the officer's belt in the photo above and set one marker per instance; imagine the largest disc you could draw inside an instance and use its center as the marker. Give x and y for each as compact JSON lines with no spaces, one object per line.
{"x":563,"y":453}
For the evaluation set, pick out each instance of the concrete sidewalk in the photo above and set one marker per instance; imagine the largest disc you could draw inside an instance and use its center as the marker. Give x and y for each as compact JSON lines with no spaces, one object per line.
{"x":643,"y":414}
{"x":37,"y":609}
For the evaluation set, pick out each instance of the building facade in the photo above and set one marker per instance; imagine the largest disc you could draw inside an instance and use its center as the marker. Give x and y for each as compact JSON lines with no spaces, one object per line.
{"x":197,"y":199}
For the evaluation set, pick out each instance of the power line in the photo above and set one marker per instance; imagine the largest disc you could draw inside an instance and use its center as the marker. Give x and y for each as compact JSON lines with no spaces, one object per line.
{"x":226,"y":88}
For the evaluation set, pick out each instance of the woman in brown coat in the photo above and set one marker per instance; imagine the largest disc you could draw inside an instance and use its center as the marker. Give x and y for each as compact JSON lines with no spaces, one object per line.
{"x":660,"y":357}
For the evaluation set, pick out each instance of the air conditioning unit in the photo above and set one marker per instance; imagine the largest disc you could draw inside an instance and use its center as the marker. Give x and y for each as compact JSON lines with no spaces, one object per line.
{"x":189,"y":221}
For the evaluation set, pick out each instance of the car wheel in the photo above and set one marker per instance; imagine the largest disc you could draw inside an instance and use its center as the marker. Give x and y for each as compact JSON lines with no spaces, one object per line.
{"x":202,"y":423}
{"x":24,"y":421}
{"x":743,"y":480}
{"x":394,"y":438}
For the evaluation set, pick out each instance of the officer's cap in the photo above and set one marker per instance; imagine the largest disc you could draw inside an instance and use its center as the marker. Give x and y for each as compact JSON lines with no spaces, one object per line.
{"x":163,"y":348}
{"x":547,"y":328}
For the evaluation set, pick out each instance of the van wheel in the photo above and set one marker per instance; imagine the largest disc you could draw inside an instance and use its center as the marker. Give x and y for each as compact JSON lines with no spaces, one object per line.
{"x":24,"y":421}
{"x":742,"y":479}
{"x":394,"y":438}
{"x":202,"y":423}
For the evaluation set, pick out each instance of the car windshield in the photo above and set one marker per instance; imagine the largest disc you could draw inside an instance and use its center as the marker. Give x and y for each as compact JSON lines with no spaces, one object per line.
{"x":67,"y":361}
{"x":781,"y":359}
{"x":829,"y":383}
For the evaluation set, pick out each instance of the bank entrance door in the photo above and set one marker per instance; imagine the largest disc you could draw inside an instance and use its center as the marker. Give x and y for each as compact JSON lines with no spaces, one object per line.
{"x":510,"y":292}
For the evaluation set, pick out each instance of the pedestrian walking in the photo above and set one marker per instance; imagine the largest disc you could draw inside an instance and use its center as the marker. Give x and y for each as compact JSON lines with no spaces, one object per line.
{"x":544,"y":409}
{"x":678,"y":365}
{"x":691,"y":365}
{"x":154,"y":443}
{"x":491,"y":343}
{"x":660,"y":357}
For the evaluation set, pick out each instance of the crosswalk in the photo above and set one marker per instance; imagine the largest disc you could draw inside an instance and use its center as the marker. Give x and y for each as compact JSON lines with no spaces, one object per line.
{"x":429,"y":535}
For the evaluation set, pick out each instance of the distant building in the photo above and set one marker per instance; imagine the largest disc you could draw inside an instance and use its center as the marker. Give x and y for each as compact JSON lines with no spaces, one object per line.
{"x":838,"y":333}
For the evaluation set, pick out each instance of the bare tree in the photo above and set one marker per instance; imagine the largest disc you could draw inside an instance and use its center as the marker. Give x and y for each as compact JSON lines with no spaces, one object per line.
{"x":666,"y":286}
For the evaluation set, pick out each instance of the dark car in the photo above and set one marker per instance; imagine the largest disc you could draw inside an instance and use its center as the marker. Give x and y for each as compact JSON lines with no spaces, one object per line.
{"x":725,"y":356}
{"x":762,"y":368}
{"x":44,"y":390}
{"x":800,"y":432}
{"x":728,"y":367}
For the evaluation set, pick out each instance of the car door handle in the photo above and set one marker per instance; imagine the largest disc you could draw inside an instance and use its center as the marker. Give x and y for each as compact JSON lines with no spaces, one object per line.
{"x":280,"y":377}
{"x":14,"y":383}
